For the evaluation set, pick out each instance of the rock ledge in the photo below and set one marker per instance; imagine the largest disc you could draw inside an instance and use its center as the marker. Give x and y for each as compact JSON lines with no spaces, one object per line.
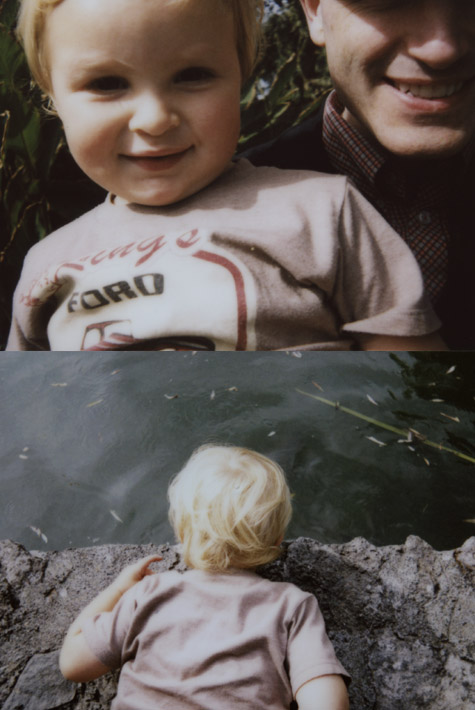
{"x":402,"y":618}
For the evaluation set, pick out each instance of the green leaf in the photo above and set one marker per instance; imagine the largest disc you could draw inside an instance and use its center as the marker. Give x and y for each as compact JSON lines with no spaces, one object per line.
{"x":8,"y":12}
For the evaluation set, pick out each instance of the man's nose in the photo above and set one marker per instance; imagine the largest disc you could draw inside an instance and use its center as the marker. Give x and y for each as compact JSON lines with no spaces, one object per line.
{"x":153,"y":114}
{"x":440,"y":34}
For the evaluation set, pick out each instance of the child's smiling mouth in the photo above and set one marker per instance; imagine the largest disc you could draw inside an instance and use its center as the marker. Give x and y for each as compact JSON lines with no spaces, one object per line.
{"x":160,"y":160}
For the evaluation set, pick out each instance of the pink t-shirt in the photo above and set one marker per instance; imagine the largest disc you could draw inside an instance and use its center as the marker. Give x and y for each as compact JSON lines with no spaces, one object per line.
{"x":209,"y":641}
{"x":262,"y":259}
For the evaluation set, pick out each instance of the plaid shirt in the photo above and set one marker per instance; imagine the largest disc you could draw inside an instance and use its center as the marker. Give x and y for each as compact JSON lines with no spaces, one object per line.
{"x":415,"y":201}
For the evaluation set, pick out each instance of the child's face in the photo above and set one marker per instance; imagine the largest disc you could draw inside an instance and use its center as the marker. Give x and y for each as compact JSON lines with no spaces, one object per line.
{"x":148,"y":92}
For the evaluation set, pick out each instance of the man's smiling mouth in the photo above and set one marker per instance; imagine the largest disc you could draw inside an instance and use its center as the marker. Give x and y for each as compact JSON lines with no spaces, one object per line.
{"x":428,"y":91}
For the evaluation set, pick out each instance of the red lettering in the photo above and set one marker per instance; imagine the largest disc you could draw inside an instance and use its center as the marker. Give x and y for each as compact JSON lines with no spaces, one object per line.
{"x":78,"y":267}
{"x":188,"y":239}
{"x":150,"y":246}
{"x":122,"y":251}
{"x":98,"y":258}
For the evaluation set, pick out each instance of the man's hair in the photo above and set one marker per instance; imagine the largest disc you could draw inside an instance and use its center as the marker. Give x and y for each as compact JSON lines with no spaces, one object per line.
{"x":33,"y":16}
{"x":229,"y":507}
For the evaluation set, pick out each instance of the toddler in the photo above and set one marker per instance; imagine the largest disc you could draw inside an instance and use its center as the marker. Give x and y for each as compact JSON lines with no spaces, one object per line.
{"x":218,"y":635}
{"x":192,"y":250}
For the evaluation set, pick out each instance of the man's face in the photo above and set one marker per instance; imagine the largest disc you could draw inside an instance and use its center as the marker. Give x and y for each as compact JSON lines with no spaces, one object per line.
{"x":403,"y":69}
{"x":148,"y":92}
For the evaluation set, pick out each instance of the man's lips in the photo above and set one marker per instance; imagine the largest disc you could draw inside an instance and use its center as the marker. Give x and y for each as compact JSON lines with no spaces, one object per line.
{"x":428,"y":90}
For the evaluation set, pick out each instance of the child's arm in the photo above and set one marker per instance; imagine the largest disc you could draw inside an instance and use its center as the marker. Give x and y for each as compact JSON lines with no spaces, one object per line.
{"x":76,"y":661}
{"x":327,"y":692}
{"x":433,"y":341}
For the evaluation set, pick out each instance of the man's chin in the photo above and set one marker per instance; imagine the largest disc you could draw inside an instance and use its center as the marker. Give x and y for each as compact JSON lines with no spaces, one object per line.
{"x":425,"y":143}
{"x":420,"y":138}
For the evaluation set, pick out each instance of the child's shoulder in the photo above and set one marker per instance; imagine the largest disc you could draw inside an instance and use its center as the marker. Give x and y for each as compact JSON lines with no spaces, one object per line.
{"x":249,"y":582}
{"x":86,"y":234}
{"x":283,"y":588}
{"x":230,"y":591}
{"x":71,"y":230}
{"x":245,"y":185}
{"x":159,"y":583}
{"x":245,"y":171}
{"x":279,"y":599}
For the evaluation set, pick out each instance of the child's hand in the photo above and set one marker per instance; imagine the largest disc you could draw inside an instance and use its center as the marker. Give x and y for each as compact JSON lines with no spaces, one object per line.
{"x":76,"y":661}
{"x":135,"y":572}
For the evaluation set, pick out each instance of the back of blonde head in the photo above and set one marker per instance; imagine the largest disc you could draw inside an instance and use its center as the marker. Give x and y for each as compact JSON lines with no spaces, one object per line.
{"x":229,"y":507}
{"x":33,"y":17}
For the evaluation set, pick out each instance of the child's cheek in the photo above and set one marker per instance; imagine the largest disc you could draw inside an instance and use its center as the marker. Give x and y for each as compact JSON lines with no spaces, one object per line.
{"x":92,"y":141}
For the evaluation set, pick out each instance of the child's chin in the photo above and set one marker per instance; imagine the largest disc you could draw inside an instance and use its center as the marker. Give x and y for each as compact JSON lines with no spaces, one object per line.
{"x":157,"y":199}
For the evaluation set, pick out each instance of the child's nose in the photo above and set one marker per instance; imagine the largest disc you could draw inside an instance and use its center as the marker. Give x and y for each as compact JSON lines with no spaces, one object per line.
{"x":153,"y":115}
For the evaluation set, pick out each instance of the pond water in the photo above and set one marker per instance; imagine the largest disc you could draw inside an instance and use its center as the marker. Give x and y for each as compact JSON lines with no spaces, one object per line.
{"x":90,"y":441}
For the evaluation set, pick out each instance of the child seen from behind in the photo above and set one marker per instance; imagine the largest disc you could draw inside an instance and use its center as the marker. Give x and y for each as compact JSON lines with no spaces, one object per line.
{"x":218,"y":635}
{"x":191,"y":249}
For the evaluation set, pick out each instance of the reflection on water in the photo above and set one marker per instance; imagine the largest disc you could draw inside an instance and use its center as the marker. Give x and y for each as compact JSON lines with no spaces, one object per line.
{"x":90,"y":442}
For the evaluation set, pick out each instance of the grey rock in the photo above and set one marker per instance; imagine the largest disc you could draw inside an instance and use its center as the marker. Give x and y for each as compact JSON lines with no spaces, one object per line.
{"x":41,"y":686}
{"x":401,"y":618}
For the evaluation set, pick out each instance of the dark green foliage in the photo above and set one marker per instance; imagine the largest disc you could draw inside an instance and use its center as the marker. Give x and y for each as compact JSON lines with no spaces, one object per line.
{"x":290,"y":80}
{"x":40,"y":186}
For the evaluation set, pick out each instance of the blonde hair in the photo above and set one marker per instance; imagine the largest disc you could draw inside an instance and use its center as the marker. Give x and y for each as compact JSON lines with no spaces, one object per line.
{"x":229,"y":507}
{"x":33,"y":15}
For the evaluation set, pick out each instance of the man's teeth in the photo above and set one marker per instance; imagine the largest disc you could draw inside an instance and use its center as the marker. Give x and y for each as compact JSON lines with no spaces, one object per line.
{"x":430,"y":91}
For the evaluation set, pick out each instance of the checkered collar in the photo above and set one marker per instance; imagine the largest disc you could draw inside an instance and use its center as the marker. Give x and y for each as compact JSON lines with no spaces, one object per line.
{"x":350,"y":152}
{"x":353,"y":154}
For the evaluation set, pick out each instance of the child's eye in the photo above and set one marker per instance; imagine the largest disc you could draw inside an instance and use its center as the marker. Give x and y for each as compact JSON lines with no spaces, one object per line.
{"x":105,"y":84}
{"x":194,"y":74}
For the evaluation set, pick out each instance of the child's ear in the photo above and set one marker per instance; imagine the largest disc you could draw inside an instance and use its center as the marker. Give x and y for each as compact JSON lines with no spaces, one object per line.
{"x":313,"y":13}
